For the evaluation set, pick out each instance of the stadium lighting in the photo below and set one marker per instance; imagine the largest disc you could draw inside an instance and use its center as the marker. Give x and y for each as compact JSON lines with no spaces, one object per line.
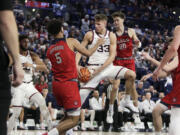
{"x":174,"y":12}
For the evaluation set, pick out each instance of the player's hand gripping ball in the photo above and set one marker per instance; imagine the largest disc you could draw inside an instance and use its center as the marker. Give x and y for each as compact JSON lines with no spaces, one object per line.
{"x":85,"y":75}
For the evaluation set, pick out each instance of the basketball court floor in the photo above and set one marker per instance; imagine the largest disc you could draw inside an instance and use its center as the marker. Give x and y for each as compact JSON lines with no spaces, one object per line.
{"x":28,"y":132}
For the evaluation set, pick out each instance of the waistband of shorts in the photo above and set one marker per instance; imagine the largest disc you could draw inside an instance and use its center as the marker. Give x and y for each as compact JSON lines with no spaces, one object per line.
{"x":27,"y":82}
{"x":94,"y":64}
{"x":126,"y":58}
{"x":73,"y":80}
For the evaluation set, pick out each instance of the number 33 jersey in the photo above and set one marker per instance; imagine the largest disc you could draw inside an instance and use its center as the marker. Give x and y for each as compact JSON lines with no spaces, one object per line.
{"x":102,"y":52}
{"x":63,"y":60}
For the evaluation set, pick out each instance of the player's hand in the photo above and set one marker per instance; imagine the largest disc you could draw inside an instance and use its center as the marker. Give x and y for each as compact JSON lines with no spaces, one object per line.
{"x":101,"y":41}
{"x":156,"y":74}
{"x":26,"y":65}
{"x":18,"y":74}
{"x":78,"y":70}
{"x":145,"y":77}
{"x":146,"y":56}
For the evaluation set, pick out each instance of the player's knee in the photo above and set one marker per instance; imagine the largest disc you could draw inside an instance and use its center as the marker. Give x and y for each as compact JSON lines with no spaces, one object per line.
{"x":130,"y":75}
{"x":115,"y":87}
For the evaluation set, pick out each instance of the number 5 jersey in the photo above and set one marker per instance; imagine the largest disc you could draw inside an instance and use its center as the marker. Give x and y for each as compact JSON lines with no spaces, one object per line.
{"x":63,"y":60}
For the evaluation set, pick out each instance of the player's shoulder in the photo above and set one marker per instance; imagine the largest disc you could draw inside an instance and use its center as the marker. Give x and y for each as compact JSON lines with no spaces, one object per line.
{"x":89,"y":34}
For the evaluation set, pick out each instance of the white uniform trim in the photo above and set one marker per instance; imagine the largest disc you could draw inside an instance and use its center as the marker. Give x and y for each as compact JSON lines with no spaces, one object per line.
{"x":75,"y":112}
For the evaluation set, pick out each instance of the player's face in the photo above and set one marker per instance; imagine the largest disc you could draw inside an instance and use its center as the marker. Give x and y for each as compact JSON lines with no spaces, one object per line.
{"x":100,"y":25}
{"x":118,"y":22}
{"x":24,"y":44}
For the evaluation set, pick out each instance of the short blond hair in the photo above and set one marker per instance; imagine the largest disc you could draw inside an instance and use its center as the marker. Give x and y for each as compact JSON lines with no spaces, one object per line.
{"x":100,"y":17}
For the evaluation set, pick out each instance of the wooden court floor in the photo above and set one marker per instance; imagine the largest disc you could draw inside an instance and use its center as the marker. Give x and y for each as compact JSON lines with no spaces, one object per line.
{"x":36,"y":132}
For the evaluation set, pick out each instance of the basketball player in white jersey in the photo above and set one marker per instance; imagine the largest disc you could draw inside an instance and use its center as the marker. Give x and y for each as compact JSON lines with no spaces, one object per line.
{"x":30,"y":62}
{"x":100,"y":63}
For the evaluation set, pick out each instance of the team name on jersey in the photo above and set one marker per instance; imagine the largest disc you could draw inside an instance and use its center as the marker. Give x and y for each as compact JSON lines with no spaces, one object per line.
{"x":123,"y":41}
{"x":59,"y":47}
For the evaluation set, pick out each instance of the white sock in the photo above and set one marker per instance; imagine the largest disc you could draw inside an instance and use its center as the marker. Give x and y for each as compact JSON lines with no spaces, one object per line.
{"x":127,"y":97}
{"x":21,"y":123}
{"x":111,"y":107}
{"x":54,"y":131}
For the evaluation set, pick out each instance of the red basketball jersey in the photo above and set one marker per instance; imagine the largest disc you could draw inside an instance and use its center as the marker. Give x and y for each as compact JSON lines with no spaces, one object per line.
{"x":124,"y":45}
{"x":63,"y":60}
{"x":173,"y":98}
{"x":176,"y":82}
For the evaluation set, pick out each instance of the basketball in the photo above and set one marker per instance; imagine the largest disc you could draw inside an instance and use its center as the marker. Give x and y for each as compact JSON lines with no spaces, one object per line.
{"x":85,"y":75}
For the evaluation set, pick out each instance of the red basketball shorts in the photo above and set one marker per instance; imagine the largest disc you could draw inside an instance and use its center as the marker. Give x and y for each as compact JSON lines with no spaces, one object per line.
{"x":130,"y":64}
{"x":67,"y":94}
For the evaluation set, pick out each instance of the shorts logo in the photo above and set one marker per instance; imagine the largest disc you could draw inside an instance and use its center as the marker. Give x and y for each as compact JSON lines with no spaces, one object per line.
{"x":174,"y":99}
{"x":75,"y":102}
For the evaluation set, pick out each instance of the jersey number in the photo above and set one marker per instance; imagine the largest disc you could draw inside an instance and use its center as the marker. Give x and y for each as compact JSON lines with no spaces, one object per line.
{"x":58,"y":58}
{"x":104,"y":48}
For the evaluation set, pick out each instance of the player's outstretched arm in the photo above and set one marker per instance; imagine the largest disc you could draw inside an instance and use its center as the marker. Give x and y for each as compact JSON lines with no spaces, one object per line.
{"x":167,"y":68}
{"x":82,"y":49}
{"x":174,"y":45}
{"x":39,"y":64}
{"x":86,"y":40}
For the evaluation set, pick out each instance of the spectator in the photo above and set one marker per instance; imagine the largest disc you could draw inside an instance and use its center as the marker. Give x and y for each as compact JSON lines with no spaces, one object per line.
{"x":147,"y":107}
{"x":96,"y":104}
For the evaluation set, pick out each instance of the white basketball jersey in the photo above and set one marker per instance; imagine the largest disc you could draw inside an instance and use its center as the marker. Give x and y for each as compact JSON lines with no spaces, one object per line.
{"x":28,"y":72}
{"x":102,"y":52}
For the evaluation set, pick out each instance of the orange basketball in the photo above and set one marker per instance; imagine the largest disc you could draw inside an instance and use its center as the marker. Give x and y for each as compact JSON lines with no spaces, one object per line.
{"x":85,"y":74}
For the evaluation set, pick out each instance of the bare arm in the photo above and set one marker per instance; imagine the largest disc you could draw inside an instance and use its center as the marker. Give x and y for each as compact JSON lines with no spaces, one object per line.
{"x":135,"y":38}
{"x":8,"y":29}
{"x":162,"y":74}
{"x":87,"y":52}
{"x":9,"y":33}
{"x":174,"y":45}
{"x":86,"y":40}
{"x":40,"y":66}
{"x":168,"y":67}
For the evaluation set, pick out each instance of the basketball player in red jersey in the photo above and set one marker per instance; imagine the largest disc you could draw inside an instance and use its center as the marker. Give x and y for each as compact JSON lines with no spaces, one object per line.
{"x":65,"y":86}
{"x":125,"y":38}
{"x":163,"y":105}
{"x":173,"y":98}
